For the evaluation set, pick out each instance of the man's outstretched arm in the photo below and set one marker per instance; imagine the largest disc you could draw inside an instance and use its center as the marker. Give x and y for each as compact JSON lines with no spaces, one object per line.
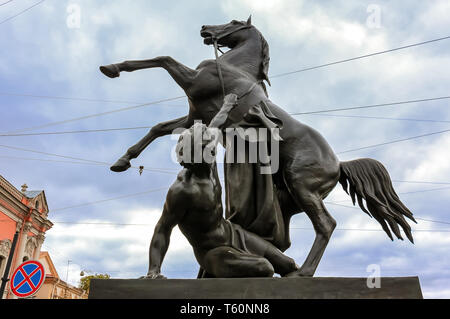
{"x":213,"y":132}
{"x":161,"y":236}
{"x":229,"y":102}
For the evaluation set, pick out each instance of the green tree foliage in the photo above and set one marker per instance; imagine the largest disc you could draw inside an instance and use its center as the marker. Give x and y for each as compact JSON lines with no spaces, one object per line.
{"x":85,"y":281}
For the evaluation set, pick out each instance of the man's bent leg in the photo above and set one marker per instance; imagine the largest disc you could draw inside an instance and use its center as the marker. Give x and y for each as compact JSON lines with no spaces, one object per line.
{"x":281,"y":263}
{"x":227,"y":262}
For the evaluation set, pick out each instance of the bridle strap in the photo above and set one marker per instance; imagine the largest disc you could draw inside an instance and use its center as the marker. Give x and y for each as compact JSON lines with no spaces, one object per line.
{"x":216,"y":48}
{"x":219,"y":70}
{"x":223,"y":35}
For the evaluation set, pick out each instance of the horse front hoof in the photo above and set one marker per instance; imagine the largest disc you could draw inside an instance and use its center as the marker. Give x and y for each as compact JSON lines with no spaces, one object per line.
{"x":111,"y":71}
{"x":121,"y":165}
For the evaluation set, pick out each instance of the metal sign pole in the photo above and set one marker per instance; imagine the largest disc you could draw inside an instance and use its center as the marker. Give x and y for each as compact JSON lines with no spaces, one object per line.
{"x":8,"y":264}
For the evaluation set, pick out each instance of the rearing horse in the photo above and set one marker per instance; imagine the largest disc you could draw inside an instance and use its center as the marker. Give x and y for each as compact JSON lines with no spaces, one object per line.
{"x":309,"y":169}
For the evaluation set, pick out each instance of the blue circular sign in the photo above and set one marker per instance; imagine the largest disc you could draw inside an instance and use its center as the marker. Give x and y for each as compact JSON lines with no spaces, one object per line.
{"x":27,"y":279}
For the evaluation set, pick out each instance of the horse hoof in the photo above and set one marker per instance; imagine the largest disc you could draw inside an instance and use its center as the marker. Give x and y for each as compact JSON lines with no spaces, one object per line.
{"x":121,"y":165}
{"x":111,"y":71}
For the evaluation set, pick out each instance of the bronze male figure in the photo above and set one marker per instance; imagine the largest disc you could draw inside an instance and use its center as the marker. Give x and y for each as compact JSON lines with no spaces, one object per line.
{"x":223,"y":249}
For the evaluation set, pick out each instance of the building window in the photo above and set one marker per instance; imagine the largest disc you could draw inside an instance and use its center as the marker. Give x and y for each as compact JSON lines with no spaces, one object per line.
{"x":2,"y":259}
{"x":37,"y":205}
{"x":25,"y":259}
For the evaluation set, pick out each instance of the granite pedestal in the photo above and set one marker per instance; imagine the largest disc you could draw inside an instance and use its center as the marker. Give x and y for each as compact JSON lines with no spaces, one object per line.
{"x":256,"y":288}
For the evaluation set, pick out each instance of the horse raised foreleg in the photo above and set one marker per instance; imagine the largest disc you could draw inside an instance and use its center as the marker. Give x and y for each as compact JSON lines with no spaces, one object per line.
{"x":156,"y":131}
{"x":183,"y":75}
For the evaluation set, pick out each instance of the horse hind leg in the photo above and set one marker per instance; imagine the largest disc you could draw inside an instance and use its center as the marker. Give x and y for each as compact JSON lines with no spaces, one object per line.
{"x":324,"y":225}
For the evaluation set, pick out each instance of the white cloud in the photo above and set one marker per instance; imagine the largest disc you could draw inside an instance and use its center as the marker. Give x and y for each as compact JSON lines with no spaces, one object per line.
{"x":436,"y":293}
{"x":114,"y":248}
{"x":434,"y":163}
{"x":435,"y":16}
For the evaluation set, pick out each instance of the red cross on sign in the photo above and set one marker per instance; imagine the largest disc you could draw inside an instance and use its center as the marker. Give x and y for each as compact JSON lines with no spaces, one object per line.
{"x":27,"y":279}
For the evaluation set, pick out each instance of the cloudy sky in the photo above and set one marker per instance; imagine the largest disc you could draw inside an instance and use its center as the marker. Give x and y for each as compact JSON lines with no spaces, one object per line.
{"x":49,"y":74}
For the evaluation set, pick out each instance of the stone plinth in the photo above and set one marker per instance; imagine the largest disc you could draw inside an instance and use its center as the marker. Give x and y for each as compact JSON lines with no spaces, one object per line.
{"x":256,"y":288}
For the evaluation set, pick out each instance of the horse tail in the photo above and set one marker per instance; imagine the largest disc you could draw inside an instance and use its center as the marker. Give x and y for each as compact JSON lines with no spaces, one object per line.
{"x":368,"y":179}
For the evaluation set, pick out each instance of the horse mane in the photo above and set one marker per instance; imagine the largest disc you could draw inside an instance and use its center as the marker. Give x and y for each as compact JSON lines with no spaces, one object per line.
{"x":264,"y":71}
{"x":266,"y":58}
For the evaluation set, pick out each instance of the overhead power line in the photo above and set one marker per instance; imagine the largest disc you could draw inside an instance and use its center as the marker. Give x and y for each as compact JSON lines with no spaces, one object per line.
{"x":293,"y":227}
{"x":78,"y":131}
{"x":176,"y":170}
{"x":273,"y":76}
{"x":149,"y":127}
{"x":47,"y":160}
{"x":403,"y":193}
{"x":278,"y":75}
{"x":68,"y":98}
{"x":421,"y":182}
{"x":174,"y":98}
{"x":380,"y":118}
{"x":17,"y":132}
{"x":428,"y":220}
{"x":52,"y":154}
{"x":2,"y":4}
{"x":394,"y":141}
{"x":136,"y":194}
{"x":359,"y":57}
{"x":433,"y":221}
{"x":171,"y":171}
{"x":371,"y":106}
{"x":414,"y":192}
{"x":426,"y":190}
{"x":21,"y":12}
{"x":95,"y":115}
{"x":83,"y":99}
{"x":111,"y":199}
{"x":166,"y":171}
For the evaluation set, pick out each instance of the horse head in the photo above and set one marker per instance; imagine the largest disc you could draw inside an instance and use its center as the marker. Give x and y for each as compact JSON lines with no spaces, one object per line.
{"x":235,"y":32}
{"x":228,"y":35}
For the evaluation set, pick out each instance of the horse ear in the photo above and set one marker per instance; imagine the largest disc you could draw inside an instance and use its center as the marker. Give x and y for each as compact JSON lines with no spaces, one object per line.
{"x":249,"y":20}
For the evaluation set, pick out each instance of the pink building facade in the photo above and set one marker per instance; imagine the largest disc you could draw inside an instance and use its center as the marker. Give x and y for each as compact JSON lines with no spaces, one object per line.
{"x":25,"y":212}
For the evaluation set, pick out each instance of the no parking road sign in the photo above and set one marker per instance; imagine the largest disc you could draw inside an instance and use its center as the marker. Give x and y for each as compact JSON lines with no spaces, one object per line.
{"x":27,"y":279}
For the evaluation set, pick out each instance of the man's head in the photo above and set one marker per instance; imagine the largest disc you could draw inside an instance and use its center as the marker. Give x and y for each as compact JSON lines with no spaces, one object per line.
{"x":197,"y":145}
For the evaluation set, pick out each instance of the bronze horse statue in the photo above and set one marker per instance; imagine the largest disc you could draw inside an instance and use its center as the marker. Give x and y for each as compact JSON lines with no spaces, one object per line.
{"x":309,"y":169}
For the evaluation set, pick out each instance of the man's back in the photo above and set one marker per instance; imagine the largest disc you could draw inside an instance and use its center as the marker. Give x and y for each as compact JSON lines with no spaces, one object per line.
{"x":200,"y":198}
